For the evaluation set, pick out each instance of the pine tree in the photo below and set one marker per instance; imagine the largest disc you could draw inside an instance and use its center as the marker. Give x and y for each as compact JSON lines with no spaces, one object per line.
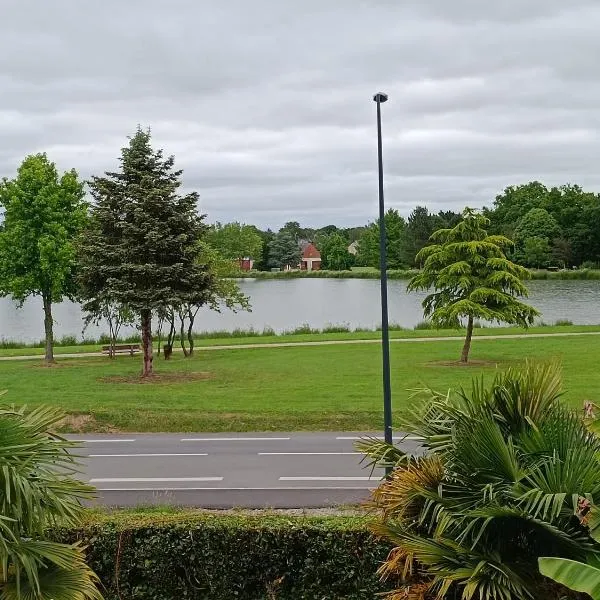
{"x":471,"y":278}
{"x":142,"y":247}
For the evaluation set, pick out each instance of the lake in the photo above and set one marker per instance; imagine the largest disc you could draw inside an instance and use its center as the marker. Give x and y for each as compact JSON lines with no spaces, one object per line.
{"x":285,"y":304}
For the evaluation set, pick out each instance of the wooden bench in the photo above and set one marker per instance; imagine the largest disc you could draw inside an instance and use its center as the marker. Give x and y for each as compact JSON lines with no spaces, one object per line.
{"x":130,"y":349}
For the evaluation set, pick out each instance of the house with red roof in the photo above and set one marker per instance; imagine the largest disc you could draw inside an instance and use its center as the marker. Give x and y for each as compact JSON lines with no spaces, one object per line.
{"x":311,"y":258}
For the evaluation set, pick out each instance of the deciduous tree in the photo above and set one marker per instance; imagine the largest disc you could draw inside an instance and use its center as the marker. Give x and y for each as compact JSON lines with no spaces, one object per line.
{"x":235,"y":240}
{"x":334,"y":253}
{"x":471,"y":278}
{"x":43,"y":215}
{"x":142,"y":246}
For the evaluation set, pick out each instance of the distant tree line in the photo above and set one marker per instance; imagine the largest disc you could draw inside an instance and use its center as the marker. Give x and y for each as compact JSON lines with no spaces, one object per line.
{"x":549,"y":227}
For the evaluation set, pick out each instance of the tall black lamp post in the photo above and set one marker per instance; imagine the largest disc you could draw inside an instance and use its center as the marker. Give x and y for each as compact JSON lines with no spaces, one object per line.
{"x":380,"y":98}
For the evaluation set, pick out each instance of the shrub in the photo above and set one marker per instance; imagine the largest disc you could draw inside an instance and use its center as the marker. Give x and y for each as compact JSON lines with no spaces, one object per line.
{"x":168,"y":557}
{"x":509,"y":475}
{"x":424,"y":325}
{"x":68,"y":340}
{"x":563,"y":322}
{"x":331,"y":328}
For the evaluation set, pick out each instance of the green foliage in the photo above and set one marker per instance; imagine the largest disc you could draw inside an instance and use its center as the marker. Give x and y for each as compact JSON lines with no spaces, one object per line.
{"x":577,"y":576}
{"x":576,"y":214}
{"x":535,"y":252}
{"x":534,"y":232}
{"x":334,"y":253}
{"x":235,"y":241}
{"x":43,"y":214}
{"x":162,"y":557}
{"x":141,"y":248}
{"x":368,"y":245}
{"x":284,"y":251}
{"x":39,"y":492}
{"x":471,"y":278}
{"x":508,"y":475}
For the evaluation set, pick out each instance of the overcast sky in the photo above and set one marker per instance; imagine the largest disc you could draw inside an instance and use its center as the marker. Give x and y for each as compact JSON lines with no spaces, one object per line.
{"x":267,"y":105}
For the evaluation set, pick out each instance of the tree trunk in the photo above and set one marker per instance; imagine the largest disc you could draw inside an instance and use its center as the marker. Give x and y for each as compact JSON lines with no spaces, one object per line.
{"x":464,"y":358}
{"x":48,"y":328}
{"x":182,"y":333}
{"x":190,"y":336}
{"x":146,"y":315}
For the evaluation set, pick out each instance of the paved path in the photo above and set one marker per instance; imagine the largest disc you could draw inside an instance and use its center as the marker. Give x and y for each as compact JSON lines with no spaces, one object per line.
{"x":515,"y":336}
{"x":249,"y":470}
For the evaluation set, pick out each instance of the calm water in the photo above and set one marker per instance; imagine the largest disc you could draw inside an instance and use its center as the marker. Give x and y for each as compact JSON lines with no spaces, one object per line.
{"x":286,"y":304}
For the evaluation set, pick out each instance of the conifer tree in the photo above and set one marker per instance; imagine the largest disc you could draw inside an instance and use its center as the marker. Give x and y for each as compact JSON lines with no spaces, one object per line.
{"x":142,"y":247}
{"x":471,"y":278}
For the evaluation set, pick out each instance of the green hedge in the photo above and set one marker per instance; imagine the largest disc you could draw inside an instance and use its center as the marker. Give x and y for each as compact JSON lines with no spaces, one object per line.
{"x":162,"y":557}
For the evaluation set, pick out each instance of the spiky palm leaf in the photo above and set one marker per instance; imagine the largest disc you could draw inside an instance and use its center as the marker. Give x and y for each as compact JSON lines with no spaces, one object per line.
{"x":509,"y":475}
{"x":38,"y":490}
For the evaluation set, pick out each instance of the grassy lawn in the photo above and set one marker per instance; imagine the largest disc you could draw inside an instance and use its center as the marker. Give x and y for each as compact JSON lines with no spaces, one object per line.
{"x":295,"y":388}
{"x":322,"y":337}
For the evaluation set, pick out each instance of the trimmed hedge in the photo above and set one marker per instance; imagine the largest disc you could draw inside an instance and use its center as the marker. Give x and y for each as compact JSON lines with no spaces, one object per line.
{"x":172,"y":557}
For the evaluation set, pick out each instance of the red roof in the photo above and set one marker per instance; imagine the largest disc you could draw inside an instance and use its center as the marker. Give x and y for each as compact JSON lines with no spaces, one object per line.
{"x":310,"y":251}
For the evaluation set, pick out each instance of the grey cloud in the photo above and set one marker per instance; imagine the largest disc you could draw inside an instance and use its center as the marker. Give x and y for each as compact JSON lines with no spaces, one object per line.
{"x":267,"y":105}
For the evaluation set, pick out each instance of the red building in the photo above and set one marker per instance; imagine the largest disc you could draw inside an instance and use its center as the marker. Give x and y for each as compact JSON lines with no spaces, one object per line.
{"x":311,"y":258}
{"x":246,"y":264}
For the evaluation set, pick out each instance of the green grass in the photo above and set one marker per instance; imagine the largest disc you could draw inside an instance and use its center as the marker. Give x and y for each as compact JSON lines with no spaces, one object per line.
{"x":295,"y":388}
{"x":242,"y":339}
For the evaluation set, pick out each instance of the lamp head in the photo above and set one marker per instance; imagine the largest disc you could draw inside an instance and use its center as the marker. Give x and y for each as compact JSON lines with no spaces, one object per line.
{"x":380,"y":98}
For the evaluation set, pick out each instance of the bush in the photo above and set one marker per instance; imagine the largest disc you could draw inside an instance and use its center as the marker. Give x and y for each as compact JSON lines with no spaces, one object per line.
{"x":332,"y":328}
{"x":172,"y":557}
{"x":67,"y":340}
{"x":424,"y":325}
{"x":563,"y":322}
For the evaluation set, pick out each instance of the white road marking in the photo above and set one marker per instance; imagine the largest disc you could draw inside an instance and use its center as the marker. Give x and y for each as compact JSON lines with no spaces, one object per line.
{"x":152,"y":479}
{"x":143,"y":455}
{"x":239,"y":439}
{"x":330,"y":479}
{"x":233,"y":489}
{"x":412,"y":438}
{"x":309,"y":454}
{"x":120,"y":441}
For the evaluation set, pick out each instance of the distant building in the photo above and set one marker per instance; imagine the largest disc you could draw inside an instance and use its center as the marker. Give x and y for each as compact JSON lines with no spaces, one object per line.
{"x":353,"y":248}
{"x":311,"y":258}
{"x":246,"y":264}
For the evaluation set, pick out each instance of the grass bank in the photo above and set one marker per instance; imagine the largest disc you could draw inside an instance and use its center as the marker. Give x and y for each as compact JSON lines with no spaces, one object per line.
{"x":371,"y":273}
{"x":290,"y":388}
{"x":303,"y":333}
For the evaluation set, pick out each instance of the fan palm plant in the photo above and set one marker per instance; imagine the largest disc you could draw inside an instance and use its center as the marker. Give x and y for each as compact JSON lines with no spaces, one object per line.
{"x":508,"y":474}
{"x":39,"y":490}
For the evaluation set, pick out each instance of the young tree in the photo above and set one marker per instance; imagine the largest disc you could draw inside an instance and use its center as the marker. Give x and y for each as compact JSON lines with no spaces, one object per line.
{"x":395,"y":230}
{"x":115,"y":315}
{"x":235,"y":241}
{"x":284,"y":251}
{"x":43,"y":214}
{"x":142,"y":246}
{"x":334,"y":253}
{"x":471,"y":278}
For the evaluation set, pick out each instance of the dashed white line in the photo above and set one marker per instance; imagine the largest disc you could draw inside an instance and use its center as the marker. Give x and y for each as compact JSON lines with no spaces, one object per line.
{"x":152,"y":479}
{"x":145,"y":455}
{"x":330,"y":478}
{"x":119,"y":441}
{"x":238,"y":439}
{"x":309,"y":454}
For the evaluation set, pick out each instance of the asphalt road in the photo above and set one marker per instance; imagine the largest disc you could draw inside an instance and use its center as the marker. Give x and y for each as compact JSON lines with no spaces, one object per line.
{"x":249,"y":470}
